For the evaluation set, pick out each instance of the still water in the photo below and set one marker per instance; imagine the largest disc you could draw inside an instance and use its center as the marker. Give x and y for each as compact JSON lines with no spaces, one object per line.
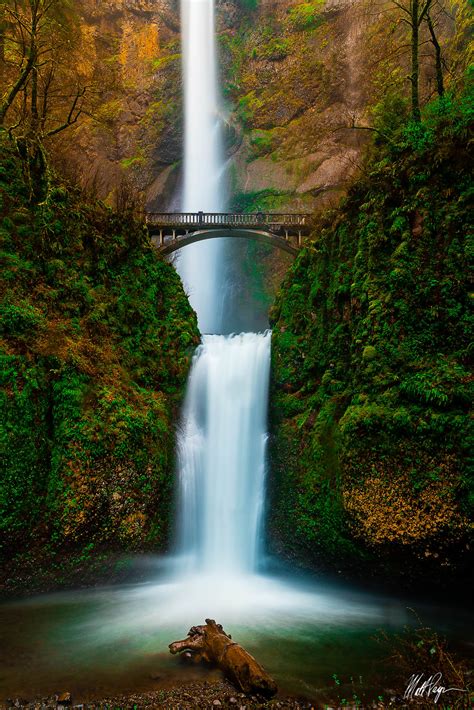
{"x":105,"y":641}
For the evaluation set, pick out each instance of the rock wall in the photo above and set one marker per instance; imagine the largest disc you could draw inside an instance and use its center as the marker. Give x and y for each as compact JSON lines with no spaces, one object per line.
{"x":370,"y":469}
{"x":96,"y":338}
{"x":294,"y":78}
{"x":132,"y":137}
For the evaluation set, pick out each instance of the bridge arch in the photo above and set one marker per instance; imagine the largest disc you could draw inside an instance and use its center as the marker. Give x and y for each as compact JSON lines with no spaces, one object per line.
{"x":183,"y":240}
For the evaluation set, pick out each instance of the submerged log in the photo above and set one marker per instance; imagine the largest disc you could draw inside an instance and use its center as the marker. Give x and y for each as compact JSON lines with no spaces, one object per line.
{"x":210,"y":643}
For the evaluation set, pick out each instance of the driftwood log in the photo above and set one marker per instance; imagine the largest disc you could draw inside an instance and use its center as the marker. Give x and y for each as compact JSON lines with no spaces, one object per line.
{"x":211,"y":644}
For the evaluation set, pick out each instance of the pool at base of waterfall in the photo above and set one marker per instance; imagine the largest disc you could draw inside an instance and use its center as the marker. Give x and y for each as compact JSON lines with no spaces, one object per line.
{"x":96,"y":643}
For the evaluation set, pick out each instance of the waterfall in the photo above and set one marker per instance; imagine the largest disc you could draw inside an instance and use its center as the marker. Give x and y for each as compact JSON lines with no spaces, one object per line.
{"x":199,"y":265}
{"x":221,"y":447}
{"x":221,"y":453}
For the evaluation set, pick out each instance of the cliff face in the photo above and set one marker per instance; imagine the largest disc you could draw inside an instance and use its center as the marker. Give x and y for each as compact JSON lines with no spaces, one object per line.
{"x":295,"y":78}
{"x":371,"y":331}
{"x":291,"y":74}
{"x":96,"y":338}
{"x":130,"y":60}
{"x":285,"y":75}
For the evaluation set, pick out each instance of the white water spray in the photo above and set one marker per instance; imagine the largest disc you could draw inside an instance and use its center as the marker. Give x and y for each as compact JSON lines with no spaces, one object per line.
{"x":222,"y":453}
{"x":200,"y":264}
{"x":221,"y":449}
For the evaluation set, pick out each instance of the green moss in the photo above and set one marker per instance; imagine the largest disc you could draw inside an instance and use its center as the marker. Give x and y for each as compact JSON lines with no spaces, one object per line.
{"x":248,"y":105}
{"x":275,"y":49}
{"x":261,"y":201}
{"x":369,"y":353}
{"x":96,"y":340}
{"x":371,"y":340}
{"x":262,"y":142}
{"x":134,"y":161}
{"x":109,"y":112}
{"x":163,"y":61}
{"x":306,"y":15}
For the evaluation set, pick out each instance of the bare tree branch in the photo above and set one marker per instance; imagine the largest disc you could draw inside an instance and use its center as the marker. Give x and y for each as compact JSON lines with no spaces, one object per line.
{"x":74,"y":114}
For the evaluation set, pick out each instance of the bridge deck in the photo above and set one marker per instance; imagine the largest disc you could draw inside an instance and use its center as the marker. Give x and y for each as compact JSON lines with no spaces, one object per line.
{"x":173,"y":230}
{"x":199,"y":220}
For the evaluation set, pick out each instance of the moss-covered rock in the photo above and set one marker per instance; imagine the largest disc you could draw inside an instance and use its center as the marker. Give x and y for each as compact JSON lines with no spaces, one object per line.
{"x":96,"y":339}
{"x":371,"y":389}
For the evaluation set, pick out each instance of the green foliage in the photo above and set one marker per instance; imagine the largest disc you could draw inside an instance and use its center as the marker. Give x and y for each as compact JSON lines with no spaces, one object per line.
{"x":262,"y":142}
{"x":18,"y":319}
{"x":391,"y":112}
{"x":369,"y":353}
{"x":373,"y":325}
{"x":233,"y":52}
{"x":249,"y":5}
{"x":96,"y":339}
{"x":248,"y":105}
{"x":134,"y":161}
{"x":161,"y":62}
{"x":274,"y":49}
{"x":24,"y":448}
{"x":109,"y":112}
{"x":261,"y":201}
{"x":306,"y":15}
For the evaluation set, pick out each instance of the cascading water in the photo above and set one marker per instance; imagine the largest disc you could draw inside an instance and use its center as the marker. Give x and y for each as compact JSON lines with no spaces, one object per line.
{"x":200,"y":265}
{"x":222,"y":444}
{"x":222,"y":453}
{"x":117,"y":633}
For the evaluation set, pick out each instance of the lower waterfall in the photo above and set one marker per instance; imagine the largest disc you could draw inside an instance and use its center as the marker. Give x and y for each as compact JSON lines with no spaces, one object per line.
{"x":221,"y":454}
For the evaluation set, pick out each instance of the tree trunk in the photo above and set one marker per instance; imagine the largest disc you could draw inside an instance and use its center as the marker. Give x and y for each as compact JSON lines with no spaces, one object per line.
{"x":17,"y":86}
{"x":415,"y":69}
{"x":210,"y":643}
{"x":34,"y":101}
{"x":27,"y":69}
{"x":438,"y":61}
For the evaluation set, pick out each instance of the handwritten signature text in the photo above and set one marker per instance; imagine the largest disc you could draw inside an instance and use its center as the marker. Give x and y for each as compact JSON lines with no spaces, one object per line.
{"x":430,"y":688}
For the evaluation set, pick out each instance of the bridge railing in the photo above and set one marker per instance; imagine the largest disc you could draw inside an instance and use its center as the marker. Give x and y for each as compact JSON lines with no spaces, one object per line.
{"x":227,"y":219}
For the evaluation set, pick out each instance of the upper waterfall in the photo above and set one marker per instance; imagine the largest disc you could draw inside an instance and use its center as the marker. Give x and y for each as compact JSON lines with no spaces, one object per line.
{"x":203,"y":157}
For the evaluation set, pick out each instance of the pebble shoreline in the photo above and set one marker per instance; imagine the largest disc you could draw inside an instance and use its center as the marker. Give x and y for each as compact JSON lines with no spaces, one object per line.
{"x":204,"y":695}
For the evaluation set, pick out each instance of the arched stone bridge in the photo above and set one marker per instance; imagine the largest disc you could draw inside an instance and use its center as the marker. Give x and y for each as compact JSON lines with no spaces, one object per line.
{"x":172,"y":230}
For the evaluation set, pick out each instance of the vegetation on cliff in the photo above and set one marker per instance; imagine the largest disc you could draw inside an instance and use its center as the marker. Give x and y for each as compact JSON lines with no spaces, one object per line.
{"x":96,"y":338}
{"x":371,"y":392}
{"x":296,"y":76}
{"x":370,"y":328}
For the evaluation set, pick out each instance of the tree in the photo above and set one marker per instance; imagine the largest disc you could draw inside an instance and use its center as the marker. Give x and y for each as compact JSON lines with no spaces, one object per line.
{"x":438,"y":56}
{"x":414,"y":12}
{"x":44,"y":93}
{"x":38,"y":46}
{"x":15,"y":32}
{"x":405,"y":40}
